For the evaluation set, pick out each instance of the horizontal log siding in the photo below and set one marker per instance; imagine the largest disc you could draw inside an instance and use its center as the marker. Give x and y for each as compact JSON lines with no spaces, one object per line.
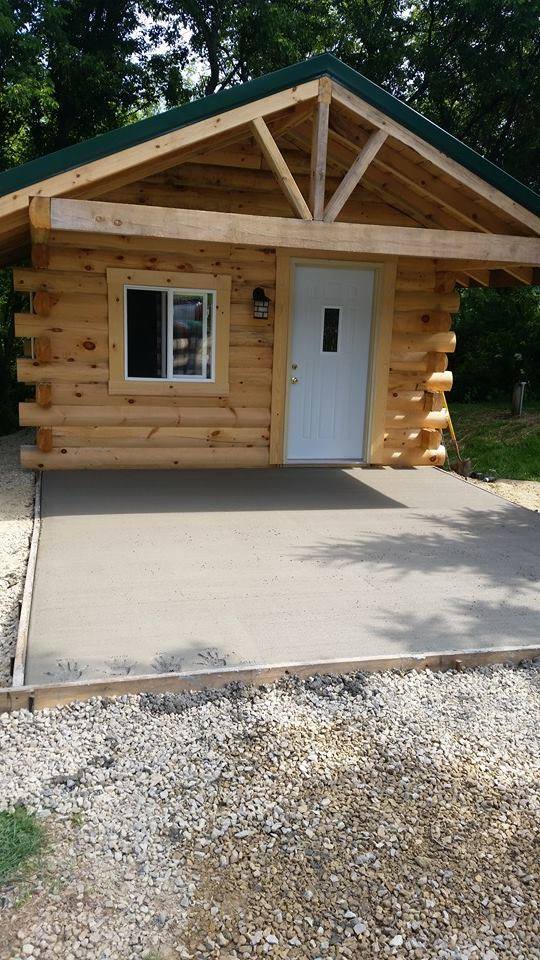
{"x":81,"y":425}
{"x":416,"y":414}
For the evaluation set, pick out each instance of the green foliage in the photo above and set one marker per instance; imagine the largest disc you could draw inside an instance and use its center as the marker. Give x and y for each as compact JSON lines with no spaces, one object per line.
{"x":496,"y":442}
{"x":470,"y":65}
{"x":498,"y":343}
{"x":69,"y":69}
{"x":21,"y":837}
{"x":11,"y":392}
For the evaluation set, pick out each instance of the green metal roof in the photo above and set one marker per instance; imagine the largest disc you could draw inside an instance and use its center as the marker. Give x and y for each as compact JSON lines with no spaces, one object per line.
{"x":323,"y":65}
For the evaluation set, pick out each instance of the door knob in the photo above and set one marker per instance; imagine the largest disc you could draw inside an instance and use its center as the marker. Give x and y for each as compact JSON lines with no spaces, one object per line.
{"x":294,"y":379}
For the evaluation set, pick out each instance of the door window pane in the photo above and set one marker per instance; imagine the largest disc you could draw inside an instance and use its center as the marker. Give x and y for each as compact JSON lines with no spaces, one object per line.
{"x":330,"y":329}
{"x":146,"y":333}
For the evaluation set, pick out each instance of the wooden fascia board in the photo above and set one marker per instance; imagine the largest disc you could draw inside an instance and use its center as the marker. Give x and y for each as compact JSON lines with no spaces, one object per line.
{"x":155,"y":153}
{"x":92,"y":216}
{"x":355,"y":104}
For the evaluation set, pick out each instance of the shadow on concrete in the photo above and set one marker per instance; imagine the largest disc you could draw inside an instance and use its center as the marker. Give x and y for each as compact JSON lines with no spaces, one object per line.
{"x":500,"y":625}
{"x":85,"y":492}
{"x":502,"y":548}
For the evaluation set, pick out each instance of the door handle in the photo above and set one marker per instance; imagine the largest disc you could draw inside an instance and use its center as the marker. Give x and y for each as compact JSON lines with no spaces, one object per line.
{"x":294,"y":379}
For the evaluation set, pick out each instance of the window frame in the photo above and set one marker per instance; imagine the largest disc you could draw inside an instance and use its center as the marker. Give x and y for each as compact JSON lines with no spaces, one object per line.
{"x":118,"y":282}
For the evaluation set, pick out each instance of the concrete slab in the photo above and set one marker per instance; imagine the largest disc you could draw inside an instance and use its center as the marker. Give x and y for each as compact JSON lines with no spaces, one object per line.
{"x":160,"y":571}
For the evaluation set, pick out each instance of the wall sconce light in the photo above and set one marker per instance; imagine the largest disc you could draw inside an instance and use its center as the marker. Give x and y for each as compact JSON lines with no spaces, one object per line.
{"x":260,"y":304}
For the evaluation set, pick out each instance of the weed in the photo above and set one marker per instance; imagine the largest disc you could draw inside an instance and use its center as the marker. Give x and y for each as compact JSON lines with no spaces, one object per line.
{"x":21,"y":837}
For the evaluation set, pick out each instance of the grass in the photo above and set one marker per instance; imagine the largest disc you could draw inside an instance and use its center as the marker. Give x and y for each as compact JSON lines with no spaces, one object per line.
{"x":496,"y":442}
{"x":21,"y":837}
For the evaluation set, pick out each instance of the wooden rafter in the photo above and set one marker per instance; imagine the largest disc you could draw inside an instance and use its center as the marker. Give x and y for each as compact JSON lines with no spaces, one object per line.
{"x":354,"y":175}
{"x":428,"y":211}
{"x":453,"y":169}
{"x":447,"y":199}
{"x":138,"y":220}
{"x":319,"y":148}
{"x":276,"y":161}
{"x":150,"y":156}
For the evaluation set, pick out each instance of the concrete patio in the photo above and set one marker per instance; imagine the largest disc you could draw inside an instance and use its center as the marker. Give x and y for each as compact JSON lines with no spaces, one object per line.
{"x":141,"y":572}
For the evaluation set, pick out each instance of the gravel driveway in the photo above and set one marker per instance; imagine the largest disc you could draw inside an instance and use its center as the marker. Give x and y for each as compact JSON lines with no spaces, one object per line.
{"x":384,"y":815}
{"x":16,"y":510}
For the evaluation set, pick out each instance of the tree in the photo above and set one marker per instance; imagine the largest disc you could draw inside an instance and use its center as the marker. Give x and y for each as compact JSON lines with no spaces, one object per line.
{"x":498,"y":343}
{"x":71,"y":69}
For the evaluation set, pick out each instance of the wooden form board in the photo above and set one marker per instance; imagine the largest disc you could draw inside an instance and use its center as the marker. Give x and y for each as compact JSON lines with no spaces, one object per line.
{"x":41,"y":696}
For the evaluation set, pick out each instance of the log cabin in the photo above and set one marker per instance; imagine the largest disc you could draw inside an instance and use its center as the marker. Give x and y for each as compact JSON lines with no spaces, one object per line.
{"x":263,"y":277}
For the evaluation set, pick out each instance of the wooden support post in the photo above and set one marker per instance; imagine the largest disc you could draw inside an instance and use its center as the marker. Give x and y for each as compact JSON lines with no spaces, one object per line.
{"x":40,"y":230}
{"x":354,"y":175}
{"x":319,"y":147}
{"x":279,"y":168}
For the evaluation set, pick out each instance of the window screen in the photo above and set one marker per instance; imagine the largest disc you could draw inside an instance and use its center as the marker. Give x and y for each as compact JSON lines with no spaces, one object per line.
{"x":330,"y":329}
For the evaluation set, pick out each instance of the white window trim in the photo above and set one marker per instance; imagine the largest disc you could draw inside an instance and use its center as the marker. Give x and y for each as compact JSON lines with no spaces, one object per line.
{"x":170,"y":292}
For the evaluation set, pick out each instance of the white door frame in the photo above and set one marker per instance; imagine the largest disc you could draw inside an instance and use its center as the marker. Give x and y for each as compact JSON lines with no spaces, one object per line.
{"x":366,"y":439}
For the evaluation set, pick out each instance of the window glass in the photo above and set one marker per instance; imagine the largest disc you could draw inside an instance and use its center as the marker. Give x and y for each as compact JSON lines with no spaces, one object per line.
{"x":170,"y":334}
{"x":330,"y":329}
{"x":192,"y":333}
{"x":146,"y":333}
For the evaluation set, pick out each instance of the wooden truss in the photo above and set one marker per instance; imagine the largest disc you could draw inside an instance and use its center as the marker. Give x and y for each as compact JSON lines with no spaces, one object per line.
{"x":452,"y":212}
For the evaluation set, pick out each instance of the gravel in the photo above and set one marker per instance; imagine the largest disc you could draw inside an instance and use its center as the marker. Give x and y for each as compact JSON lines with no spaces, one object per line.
{"x":16,"y":514}
{"x":383,"y":815}
{"x":526,"y":493}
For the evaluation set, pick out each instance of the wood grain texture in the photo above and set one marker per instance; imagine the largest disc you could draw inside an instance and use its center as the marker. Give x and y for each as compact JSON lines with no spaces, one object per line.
{"x":279,"y":167}
{"x":201,"y":225}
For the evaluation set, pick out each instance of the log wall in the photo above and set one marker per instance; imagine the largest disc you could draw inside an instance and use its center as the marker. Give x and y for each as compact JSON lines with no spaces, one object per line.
{"x":81,"y":425}
{"x":416,"y":413}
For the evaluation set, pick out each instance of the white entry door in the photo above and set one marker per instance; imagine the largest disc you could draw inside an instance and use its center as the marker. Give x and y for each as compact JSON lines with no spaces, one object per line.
{"x":329,"y":363}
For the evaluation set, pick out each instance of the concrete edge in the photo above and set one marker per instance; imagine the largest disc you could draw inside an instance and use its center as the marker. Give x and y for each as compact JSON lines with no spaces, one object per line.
{"x":21,"y":646}
{"x":491,"y":493}
{"x":39,"y":696}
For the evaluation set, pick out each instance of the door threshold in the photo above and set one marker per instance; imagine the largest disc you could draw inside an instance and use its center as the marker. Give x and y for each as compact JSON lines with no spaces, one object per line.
{"x":325,"y":463}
